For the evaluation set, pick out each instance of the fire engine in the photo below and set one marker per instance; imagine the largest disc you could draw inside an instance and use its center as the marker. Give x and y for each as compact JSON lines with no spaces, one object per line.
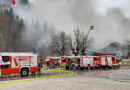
{"x":108,"y":61}
{"x":52,"y":61}
{"x":65,"y":62}
{"x":89,"y":62}
{"x":18,"y":63}
{"x":74,"y":62}
{"x":81,"y":62}
{"x":71,"y":62}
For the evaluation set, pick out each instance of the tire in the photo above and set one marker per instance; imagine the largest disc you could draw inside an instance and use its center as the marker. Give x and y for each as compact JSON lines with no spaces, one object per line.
{"x":24,"y":72}
{"x":111,"y":67}
{"x":77,"y":68}
{"x":81,"y":68}
{"x":118,"y":66}
{"x":98,"y":66}
{"x":67,"y":67}
{"x":104,"y":67}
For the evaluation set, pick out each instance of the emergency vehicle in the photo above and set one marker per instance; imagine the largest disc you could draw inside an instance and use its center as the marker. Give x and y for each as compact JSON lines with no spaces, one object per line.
{"x":108,"y":61}
{"x":89,"y":62}
{"x":52,"y":62}
{"x":76,"y":60}
{"x":70,"y":62}
{"x":64,"y":62}
{"x":18,"y":63}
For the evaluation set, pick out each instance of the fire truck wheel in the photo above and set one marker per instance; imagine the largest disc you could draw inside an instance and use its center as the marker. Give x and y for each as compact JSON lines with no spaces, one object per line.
{"x":24,"y":72}
{"x":98,"y":66}
{"x":104,"y":67}
{"x":67,"y":68}
{"x":111,"y":67}
{"x":81,"y":68}
{"x":118,"y":66}
{"x":77,"y":68}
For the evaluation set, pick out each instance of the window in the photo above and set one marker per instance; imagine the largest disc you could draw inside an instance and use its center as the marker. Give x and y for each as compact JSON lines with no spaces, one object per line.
{"x":96,"y":59}
{"x":64,"y":60}
{"x":5,"y":58}
{"x":113,"y":58}
{"x":5,"y":62}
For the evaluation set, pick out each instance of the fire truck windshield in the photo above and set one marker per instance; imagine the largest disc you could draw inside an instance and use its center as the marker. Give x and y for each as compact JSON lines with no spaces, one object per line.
{"x":4,"y":62}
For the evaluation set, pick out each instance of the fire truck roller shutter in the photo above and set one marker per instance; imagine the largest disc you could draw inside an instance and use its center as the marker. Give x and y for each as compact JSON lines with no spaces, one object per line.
{"x":34,"y":61}
{"x":87,"y":61}
{"x":15,"y":62}
{"x":103,"y":61}
{"x":109,"y":61}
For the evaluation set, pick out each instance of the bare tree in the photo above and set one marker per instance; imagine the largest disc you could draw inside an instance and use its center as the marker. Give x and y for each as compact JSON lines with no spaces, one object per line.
{"x":85,"y":41}
{"x":75,"y":42}
{"x":60,"y":44}
{"x":79,"y":42}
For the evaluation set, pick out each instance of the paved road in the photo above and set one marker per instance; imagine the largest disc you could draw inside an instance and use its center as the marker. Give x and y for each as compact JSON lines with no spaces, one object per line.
{"x":122,"y":74}
{"x":18,"y":77}
{"x":116,"y":74}
{"x":82,"y":80}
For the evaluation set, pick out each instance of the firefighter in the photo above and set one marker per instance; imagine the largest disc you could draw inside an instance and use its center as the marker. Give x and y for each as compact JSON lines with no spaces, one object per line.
{"x":40,"y":66}
{"x":72,"y":64}
{"x":63,"y":64}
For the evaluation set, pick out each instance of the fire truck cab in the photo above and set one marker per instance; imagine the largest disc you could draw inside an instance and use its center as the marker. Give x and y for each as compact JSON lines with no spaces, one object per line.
{"x":70,"y":62}
{"x":64,"y":62}
{"x":52,"y":62}
{"x":18,"y":63}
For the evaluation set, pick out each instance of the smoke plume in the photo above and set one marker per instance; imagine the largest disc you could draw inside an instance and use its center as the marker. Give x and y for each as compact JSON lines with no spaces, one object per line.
{"x":110,"y":26}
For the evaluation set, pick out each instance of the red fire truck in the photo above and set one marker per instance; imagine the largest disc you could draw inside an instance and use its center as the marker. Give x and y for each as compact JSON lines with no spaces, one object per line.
{"x":64,"y":62}
{"x":70,"y":62}
{"x":52,"y":61}
{"x":89,"y":62}
{"x":18,"y":63}
{"x":76,"y":62}
{"x":108,"y":61}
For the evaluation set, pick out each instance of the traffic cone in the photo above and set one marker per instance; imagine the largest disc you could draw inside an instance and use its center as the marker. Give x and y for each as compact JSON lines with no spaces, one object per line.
{"x":99,"y":72}
{"x":122,"y":70}
{"x":111,"y":72}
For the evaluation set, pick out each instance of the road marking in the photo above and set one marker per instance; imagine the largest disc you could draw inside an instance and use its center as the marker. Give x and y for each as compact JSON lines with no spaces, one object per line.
{"x":48,"y":70}
{"x":19,"y":81}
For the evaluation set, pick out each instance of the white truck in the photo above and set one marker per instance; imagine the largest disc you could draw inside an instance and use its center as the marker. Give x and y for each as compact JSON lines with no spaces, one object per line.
{"x":18,"y":63}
